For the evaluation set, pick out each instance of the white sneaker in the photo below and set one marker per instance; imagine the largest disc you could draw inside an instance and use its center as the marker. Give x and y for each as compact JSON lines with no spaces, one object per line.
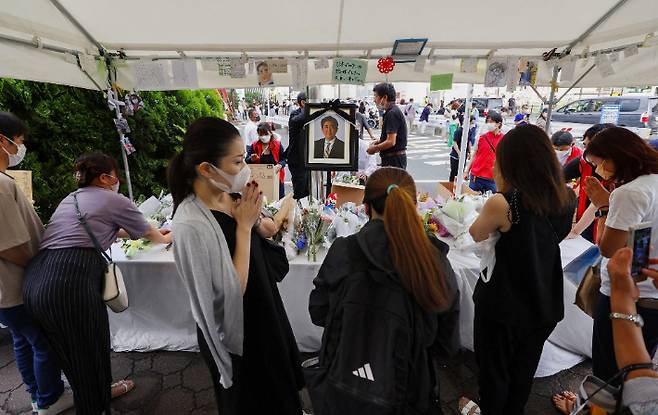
{"x":62,"y":404}
{"x":35,"y":407}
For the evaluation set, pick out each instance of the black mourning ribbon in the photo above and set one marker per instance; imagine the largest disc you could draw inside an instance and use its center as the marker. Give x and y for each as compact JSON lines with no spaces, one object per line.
{"x":330,"y":106}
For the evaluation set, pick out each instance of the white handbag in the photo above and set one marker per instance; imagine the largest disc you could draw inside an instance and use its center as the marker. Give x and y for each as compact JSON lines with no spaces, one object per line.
{"x":115,"y":294}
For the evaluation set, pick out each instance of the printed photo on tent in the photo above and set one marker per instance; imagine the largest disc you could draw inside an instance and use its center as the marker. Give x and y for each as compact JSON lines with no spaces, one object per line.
{"x":496,"y":75}
{"x":528,"y":71}
{"x":331,"y":138}
{"x":264,"y":74}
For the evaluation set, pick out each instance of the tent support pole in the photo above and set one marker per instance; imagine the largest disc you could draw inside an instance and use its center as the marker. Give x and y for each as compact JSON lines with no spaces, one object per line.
{"x":464,"y":142}
{"x":77,"y":24}
{"x":111,"y":77}
{"x":551,"y":100}
{"x":596,"y":24}
{"x":576,"y":82}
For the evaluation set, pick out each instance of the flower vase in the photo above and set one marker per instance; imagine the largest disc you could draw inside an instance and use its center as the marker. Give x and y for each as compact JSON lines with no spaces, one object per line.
{"x":312,"y":251}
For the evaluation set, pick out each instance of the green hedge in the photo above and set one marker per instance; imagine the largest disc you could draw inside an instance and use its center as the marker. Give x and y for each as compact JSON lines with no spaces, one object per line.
{"x":64,"y":122}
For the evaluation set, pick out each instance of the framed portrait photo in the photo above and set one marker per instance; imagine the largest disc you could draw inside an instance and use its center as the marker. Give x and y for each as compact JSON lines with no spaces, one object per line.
{"x":331,"y":140}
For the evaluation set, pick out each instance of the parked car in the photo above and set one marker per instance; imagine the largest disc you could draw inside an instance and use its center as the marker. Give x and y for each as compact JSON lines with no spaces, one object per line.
{"x":484,"y":105}
{"x":639,"y":111}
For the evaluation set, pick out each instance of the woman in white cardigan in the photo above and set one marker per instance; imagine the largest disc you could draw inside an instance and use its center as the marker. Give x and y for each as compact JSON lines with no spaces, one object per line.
{"x":242,"y":328}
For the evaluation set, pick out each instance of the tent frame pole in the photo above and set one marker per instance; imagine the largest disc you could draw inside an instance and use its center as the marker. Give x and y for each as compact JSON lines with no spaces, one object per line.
{"x":596,"y":24}
{"x":79,"y":26}
{"x":551,"y":100}
{"x":466,"y":127}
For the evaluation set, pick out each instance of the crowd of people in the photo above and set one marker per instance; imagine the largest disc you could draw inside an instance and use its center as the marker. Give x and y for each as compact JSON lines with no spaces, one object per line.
{"x":387,"y":297}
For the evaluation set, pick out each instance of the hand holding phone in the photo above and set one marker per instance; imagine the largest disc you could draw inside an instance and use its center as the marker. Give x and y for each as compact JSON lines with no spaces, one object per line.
{"x":639,"y":240}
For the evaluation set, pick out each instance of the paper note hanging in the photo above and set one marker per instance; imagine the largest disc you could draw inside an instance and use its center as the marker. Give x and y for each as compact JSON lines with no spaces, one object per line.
{"x":568,"y":70}
{"x":237,"y":68}
{"x":299,"y":73}
{"x":469,"y":65}
{"x":614,"y":57}
{"x":252,"y":67}
{"x":528,"y":72}
{"x":185,"y":74}
{"x":419,"y":66}
{"x":496,"y":75}
{"x":630,"y":51}
{"x":224,"y":66}
{"x":151,"y":75}
{"x":349,"y":71}
{"x":321,"y":63}
{"x":209,"y":65}
{"x":441,"y":82}
{"x":512,"y":74}
{"x":605,"y":66}
{"x":278,"y":65}
{"x":585,"y":56}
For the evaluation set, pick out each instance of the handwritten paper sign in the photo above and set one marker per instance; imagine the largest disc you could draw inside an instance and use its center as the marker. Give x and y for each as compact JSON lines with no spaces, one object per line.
{"x":278,"y":65}
{"x":322,"y":63}
{"x":185,"y":75}
{"x":469,"y":65}
{"x":267,"y":179}
{"x":23,"y":179}
{"x":151,"y":75}
{"x":350,"y":71}
{"x":299,"y":73}
{"x":441,"y":82}
{"x":237,"y":68}
{"x":610,"y":114}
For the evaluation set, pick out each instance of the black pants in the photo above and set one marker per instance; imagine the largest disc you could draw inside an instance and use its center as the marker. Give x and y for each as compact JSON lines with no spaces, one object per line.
{"x":63,"y":293}
{"x":454,"y":167}
{"x":300,"y":181}
{"x":604,"y":365}
{"x":395,"y":161}
{"x":507,"y":357}
{"x":228,"y":400}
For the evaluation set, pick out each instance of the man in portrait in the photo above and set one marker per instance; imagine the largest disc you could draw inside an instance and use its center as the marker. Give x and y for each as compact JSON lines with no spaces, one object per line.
{"x":329,"y":146}
{"x":264,"y":74}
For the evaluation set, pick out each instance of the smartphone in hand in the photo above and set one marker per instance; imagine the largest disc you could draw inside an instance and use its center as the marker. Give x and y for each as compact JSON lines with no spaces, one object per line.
{"x":639,"y":240}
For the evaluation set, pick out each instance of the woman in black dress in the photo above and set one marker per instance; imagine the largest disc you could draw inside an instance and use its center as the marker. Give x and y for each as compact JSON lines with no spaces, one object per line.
{"x":231,"y":273}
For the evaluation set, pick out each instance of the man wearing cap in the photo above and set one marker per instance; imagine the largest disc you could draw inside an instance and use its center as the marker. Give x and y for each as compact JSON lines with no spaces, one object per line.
{"x":295,"y":152}
{"x":565,"y":150}
{"x":520,"y":119}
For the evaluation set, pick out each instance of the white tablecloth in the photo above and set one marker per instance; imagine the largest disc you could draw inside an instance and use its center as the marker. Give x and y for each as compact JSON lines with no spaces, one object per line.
{"x":159,"y":316}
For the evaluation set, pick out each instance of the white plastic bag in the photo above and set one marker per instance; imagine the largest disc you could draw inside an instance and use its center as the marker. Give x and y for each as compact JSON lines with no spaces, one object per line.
{"x":486,"y":251}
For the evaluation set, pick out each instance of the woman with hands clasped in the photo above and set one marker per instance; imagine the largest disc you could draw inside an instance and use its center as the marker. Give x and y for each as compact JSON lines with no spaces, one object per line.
{"x":623,"y":158}
{"x":230,"y":272}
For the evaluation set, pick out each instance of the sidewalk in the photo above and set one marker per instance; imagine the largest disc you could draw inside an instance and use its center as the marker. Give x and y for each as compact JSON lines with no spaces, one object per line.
{"x":179,"y":383}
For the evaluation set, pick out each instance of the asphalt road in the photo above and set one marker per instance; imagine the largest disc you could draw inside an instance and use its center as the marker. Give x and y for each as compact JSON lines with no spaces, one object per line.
{"x":428,"y":159}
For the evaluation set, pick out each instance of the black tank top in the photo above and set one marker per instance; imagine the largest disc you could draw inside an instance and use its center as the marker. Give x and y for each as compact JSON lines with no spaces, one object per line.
{"x":526,"y":287}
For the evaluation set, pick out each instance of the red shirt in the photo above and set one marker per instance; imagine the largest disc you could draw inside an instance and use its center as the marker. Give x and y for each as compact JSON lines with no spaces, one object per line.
{"x":575,"y":153}
{"x":485,"y":156}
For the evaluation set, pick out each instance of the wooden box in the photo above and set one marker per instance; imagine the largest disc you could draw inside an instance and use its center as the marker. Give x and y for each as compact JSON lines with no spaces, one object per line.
{"x":346,"y":192}
{"x":267,"y":179}
{"x":446,"y":190}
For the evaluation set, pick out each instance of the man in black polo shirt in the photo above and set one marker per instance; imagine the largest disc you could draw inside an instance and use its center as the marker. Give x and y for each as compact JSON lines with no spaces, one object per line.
{"x":295,"y":151}
{"x":392,"y":146}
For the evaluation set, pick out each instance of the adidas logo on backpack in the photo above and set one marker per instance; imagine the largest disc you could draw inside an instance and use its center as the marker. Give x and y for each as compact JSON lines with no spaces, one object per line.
{"x":364,"y":372}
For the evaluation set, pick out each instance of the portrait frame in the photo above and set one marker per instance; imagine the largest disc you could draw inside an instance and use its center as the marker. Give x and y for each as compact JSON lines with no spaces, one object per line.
{"x":344,"y":157}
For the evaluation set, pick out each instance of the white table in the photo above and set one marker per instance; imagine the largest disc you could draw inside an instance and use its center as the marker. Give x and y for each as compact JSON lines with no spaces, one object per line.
{"x":159,"y":316}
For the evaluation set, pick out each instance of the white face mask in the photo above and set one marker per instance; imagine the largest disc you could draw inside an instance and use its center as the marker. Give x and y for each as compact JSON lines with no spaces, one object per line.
{"x":490,"y":126}
{"x":562,"y":155}
{"x":16,"y":159}
{"x":265,"y":138}
{"x":237,"y":182}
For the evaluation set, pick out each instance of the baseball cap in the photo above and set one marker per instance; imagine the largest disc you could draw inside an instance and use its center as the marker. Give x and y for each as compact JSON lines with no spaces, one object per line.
{"x":519,"y":117}
{"x":562,"y":138}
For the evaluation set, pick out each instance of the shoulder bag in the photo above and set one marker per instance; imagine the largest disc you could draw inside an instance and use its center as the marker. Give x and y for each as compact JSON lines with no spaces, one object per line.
{"x":114,"y":288}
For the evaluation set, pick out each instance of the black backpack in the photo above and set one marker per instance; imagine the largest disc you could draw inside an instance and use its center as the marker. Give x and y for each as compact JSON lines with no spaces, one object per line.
{"x":371,"y":360}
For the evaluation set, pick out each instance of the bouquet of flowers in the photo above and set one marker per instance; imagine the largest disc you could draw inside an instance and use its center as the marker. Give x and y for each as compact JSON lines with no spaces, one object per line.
{"x":312,"y":226}
{"x":158,"y":214}
{"x":428,"y":209}
{"x":348,"y":179}
{"x":349,"y":220}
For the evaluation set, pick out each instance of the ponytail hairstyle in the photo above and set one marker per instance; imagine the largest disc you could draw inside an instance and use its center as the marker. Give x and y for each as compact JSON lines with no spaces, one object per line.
{"x":207,"y":140}
{"x":89,"y":166}
{"x":391,"y":192}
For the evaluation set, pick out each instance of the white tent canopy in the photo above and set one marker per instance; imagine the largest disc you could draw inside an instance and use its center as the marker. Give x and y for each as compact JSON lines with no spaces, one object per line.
{"x":35,"y":35}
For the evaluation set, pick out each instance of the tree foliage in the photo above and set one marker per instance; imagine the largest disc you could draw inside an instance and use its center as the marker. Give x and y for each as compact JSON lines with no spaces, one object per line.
{"x":65,"y":122}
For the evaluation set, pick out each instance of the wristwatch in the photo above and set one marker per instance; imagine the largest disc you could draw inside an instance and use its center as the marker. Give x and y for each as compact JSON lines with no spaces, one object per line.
{"x":634,"y":318}
{"x":601,"y":212}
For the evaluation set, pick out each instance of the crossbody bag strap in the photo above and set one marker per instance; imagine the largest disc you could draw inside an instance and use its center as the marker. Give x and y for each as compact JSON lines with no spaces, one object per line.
{"x":83,"y":221}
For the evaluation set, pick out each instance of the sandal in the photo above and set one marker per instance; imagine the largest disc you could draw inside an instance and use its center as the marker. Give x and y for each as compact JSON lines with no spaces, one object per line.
{"x":468,"y":407}
{"x":564,"y":402}
{"x":122,"y":387}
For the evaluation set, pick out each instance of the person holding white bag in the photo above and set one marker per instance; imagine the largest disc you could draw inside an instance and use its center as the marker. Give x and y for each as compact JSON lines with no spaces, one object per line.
{"x":518,"y":308}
